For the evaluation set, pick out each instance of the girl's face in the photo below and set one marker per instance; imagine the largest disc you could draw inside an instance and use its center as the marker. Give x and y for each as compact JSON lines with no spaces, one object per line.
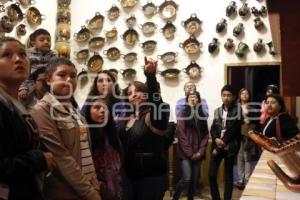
{"x":244,"y":96}
{"x":99,"y":112}
{"x":63,"y":81}
{"x":135,"y":97}
{"x":273,"y":107}
{"x":104,"y":84}
{"x":14,"y":64}
{"x":193,"y":100}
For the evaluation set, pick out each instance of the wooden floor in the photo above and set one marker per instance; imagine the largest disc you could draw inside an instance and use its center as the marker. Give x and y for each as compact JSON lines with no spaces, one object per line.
{"x":205,"y":194}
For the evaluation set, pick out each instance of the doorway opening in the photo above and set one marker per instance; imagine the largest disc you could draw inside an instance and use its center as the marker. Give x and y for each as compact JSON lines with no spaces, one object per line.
{"x":253,"y":76}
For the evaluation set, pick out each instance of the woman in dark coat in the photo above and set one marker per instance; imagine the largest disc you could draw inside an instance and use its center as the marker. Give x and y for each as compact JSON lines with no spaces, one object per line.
{"x":21,"y":162}
{"x":142,"y":134}
{"x":280,"y":124}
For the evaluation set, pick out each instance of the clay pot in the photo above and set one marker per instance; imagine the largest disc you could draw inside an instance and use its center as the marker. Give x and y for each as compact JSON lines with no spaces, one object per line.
{"x":237,"y":30}
{"x":241,"y":50}
{"x":231,"y":9}
{"x":229,"y":44}
{"x":212,"y":46}
{"x":221,"y":25}
{"x":63,"y":48}
{"x":21,"y":30}
{"x":244,"y":10}
{"x":255,"y":12}
{"x":258,"y":24}
{"x":258,"y":46}
{"x":63,"y":32}
{"x":271,"y":48}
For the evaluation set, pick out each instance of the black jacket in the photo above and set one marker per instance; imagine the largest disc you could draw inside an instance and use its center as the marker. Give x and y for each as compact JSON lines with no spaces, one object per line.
{"x":20,"y":160}
{"x":232,"y":134}
{"x":288,"y":127}
{"x":145,"y":142}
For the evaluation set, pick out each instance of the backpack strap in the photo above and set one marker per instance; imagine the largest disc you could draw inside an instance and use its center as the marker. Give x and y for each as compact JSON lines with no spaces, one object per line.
{"x":278,"y":129}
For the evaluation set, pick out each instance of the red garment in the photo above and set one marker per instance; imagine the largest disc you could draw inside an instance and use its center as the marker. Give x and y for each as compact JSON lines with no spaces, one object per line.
{"x":264,"y":113}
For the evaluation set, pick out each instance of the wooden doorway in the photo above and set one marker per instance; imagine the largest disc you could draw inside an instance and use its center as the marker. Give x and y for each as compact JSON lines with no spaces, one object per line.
{"x":253,"y":76}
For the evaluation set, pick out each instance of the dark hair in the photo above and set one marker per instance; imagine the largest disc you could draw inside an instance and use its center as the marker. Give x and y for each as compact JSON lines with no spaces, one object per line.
{"x":228,"y":88}
{"x":193,"y":93}
{"x":280,"y":100}
{"x":94,"y":90}
{"x":98,"y":133}
{"x":9,"y":39}
{"x":51,"y":67}
{"x":240,"y":92}
{"x":273,"y":88}
{"x":194,"y":122}
{"x":55,"y":62}
{"x":38,"y":32}
{"x":34,"y":76}
{"x":140,"y":87}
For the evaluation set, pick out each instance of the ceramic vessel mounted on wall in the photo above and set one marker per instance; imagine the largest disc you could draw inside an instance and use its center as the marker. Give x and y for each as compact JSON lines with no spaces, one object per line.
{"x":244,"y":11}
{"x":193,"y":70}
{"x":192,"y":25}
{"x":168,"y":30}
{"x":96,"y":23}
{"x":34,"y":17}
{"x":95,"y":62}
{"x":258,"y":46}
{"x":113,"y":53}
{"x":149,"y":9}
{"x":213,"y":45}
{"x":221,"y":25}
{"x":241,"y":49}
{"x":83,"y":35}
{"x":113,"y":13}
{"x":168,"y":57}
{"x":238,"y":29}
{"x":21,"y":30}
{"x":229,"y":44}
{"x":231,"y":9}
{"x":130,"y":37}
{"x":148,"y":46}
{"x":168,"y":10}
{"x":130,"y":21}
{"x":258,"y":23}
{"x":128,"y":4}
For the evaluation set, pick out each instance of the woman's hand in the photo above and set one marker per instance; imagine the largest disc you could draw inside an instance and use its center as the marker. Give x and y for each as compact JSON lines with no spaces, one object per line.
{"x":150,"y":66}
{"x":196,"y":156}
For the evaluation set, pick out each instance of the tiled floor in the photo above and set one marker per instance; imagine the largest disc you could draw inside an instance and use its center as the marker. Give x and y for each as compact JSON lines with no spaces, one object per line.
{"x":206,"y":194}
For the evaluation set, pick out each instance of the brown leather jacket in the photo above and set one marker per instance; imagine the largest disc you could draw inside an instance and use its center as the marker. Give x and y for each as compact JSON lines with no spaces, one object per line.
{"x":61,"y":135}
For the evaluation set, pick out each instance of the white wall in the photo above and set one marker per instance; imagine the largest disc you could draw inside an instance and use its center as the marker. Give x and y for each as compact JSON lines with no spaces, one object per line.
{"x":210,"y":12}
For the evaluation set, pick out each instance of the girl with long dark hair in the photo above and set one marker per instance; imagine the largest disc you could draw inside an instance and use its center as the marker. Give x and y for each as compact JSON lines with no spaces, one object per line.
{"x":106,"y":147}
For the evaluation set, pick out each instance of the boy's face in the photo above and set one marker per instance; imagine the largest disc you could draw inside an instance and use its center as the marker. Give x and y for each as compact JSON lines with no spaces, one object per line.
{"x":43,"y":43}
{"x":227,"y":98}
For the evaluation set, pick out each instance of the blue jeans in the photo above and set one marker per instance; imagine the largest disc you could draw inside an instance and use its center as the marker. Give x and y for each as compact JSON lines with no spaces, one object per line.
{"x":190,"y":173}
